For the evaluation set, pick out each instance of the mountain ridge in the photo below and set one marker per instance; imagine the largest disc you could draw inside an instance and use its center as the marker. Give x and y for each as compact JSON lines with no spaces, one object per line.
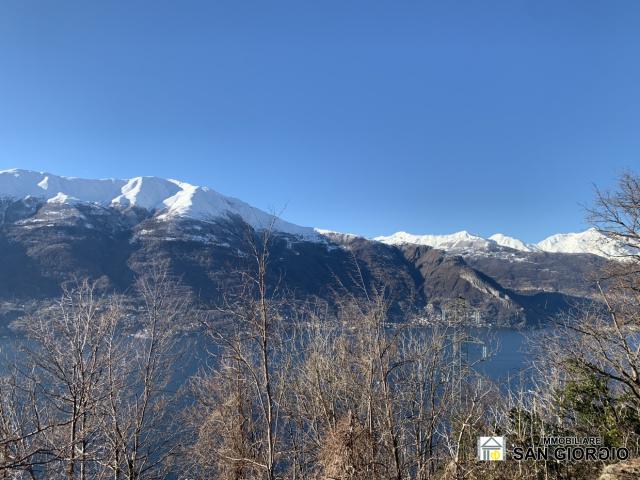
{"x":167,"y":197}
{"x":56,"y":230}
{"x":170,"y":198}
{"x":590,"y":241}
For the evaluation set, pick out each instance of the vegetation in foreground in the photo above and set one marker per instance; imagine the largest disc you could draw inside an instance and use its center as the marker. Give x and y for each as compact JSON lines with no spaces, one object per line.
{"x":304,"y":392}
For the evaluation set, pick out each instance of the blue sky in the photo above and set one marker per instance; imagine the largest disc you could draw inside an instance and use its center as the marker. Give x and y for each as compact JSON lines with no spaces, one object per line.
{"x":360,"y":116}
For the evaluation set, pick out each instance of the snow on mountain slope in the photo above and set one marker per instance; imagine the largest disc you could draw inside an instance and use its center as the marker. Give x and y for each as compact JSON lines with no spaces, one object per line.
{"x":589,"y":241}
{"x":505,"y":241}
{"x":174,"y":199}
{"x":460,"y":241}
{"x":63,"y":199}
{"x":146,"y":192}
{"x":168,"y":198}
{"x":341,"y":237}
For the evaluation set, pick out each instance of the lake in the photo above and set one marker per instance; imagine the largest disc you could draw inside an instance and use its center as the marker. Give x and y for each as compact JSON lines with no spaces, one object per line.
{"x":507,"y":356}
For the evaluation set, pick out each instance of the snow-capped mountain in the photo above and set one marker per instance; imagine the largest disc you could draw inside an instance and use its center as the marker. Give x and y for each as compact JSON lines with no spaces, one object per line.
{"x":338,"y":236}
{"x":590,"y":241}
{"x":167,"y":198}
{"x":170,"y":199}
{"x":56,"y":229}
{"x":510,"y":242}
{"x":460,"y":241}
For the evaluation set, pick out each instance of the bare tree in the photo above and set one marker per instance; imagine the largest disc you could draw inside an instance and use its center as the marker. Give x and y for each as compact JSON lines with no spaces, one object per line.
{"x":252,"y":355}
{"x":66,"y":369}
{"x":616,"y":214}
{"x":141,"y":361}
{"x":92,"y":396}
{"x":602,"y":340}
{"x":21,"y":453}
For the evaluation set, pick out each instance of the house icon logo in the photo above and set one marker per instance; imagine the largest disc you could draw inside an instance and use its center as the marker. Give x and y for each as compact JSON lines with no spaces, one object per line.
{"x":491,"y":449}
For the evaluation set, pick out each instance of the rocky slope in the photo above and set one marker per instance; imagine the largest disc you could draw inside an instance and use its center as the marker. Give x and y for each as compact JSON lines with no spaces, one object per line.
{"x":56,"y":229}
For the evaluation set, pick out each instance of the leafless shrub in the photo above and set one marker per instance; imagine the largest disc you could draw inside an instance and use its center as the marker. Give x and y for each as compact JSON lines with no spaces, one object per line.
{"x":89,"y":398}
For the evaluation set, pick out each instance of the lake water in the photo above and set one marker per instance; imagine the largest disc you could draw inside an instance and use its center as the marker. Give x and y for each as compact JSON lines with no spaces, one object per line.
{"x":508,"y":357}
{"x":508,"y":353}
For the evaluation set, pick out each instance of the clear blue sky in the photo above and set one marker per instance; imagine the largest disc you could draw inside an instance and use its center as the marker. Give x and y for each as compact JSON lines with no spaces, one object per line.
{"x":361,"y":116}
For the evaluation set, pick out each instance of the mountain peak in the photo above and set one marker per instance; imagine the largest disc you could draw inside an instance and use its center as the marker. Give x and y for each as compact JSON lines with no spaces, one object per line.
{"x":459,"y":241}
{"x":511,"y":242}
{"x":589,"y":241}
{"x":167,"y":198}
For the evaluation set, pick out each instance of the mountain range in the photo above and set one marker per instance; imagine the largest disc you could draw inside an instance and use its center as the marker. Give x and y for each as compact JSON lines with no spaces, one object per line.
{"x":590,"y":241}
{"x":54,"y":229}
